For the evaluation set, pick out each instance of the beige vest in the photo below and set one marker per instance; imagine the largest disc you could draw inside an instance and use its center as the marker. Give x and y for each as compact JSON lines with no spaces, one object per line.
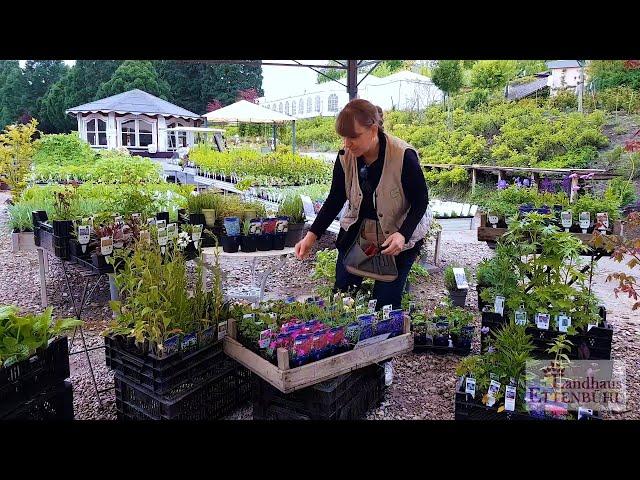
{"x":390,"y":201}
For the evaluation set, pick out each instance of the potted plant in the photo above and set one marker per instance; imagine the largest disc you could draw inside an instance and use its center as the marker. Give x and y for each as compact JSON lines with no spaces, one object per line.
{"x":247,"y":242}
{"x":441,"y":336}
{"x":293,"y":208}
{"x":457,"y":295}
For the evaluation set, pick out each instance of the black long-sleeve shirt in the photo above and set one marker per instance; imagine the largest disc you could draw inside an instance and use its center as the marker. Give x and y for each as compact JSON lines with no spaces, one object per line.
{"x":413,"y":184}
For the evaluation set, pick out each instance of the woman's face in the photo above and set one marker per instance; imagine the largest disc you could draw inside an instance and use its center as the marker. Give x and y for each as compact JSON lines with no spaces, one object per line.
{"x":363,"y":140}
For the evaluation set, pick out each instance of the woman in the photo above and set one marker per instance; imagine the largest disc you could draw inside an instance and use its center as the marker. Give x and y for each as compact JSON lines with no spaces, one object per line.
{"x":381,"y":178}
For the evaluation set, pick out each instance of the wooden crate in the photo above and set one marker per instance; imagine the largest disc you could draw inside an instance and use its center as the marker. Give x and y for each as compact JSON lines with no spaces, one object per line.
{"x":289,"y":380}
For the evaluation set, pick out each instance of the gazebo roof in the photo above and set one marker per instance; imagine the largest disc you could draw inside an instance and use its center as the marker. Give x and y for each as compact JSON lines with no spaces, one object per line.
{"x":134,"y":101}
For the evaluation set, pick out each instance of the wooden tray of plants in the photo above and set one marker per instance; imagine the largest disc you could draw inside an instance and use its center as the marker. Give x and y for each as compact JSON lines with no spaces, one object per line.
{"x":289,"y":380}
{"x":487,"y":233}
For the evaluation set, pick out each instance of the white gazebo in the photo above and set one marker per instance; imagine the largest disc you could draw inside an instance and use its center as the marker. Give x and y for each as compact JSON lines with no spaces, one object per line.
{"x":247,"y":112}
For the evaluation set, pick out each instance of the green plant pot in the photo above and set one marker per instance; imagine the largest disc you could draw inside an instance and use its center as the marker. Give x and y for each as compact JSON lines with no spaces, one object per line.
{"x":209,"y":217}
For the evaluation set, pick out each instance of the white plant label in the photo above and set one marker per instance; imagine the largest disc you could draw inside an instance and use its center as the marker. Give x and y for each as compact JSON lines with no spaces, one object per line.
{"x":222,"y":330}
{"x":521,"y":316}
{"x":567,"y":220}
{"x":498,"y":305}
{"x":585,"y":221}
{"x":461,"y":278}
{"x":564,"y":322}
{"x":591,"y":325}
{"x":603,"y":220}
{"x":470,"y":386}
{"x":151,"y":221}
{"x":135,"y":217}
{"x":84,"y":235}
{"x":494,"y":388}
{"x":145,"y":237}
{"x":172,"y":231}
{"x":386,"y":310}
{"x":265,"y":338}
{"x":493,"y":220}
{"x":162,"y":239}
{"x":106,"y":246}
{"x":118,"y":219}
{"x":542,"y":321}
{"x":161,"y":224}
{"x":510,"y":398}
{"x":372,"y":305}
{"x":196,"y":234}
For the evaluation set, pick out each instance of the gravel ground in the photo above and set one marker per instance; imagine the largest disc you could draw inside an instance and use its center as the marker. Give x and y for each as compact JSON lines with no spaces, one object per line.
{"x":423,"y":383}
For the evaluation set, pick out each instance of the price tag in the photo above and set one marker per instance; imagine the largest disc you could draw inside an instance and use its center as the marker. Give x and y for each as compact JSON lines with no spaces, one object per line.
{"x":145,"y":237}
{"x":265,"y":338}
{"x":372,"y":306}
{"x":521,"y":316}
{"x":567,"y":220}
{"x":470,"y":386}
{"x":585,"y":221}
{"x":461,"y":278}
{"x":196,"y":234}
{"x":106,"y":246}
{"x":510,"y":398}
{"x":161,"y":224}
{"x":386,"y":310}
{"x":84,"y":234}
{"x":494,"y":388}
{"x":222,"y":330}
{"x":493,"y":220}
{"x":564,"y":322}
{"x":172,"y":231}
{"x":498,"y":305}
{"x":602,"y":219}
{"x":542,"y":321}
{"x":162,"y":236}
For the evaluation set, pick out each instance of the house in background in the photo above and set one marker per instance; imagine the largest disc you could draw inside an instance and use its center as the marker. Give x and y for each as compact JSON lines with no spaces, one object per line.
{"x":402,"y":90}
{"x":565,"y":75}
{"x":539,"y":85}
{"x":136,"y":120}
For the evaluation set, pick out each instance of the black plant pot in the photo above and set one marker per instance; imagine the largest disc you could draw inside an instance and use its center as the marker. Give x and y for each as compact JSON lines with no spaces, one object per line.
{"x":420,"y":338}
{"x":62,"y":228}
{"x":230,"y":244}
{"x":163,"y":216}
{"x":100,"y":262}
{"x":441,"y":340}
{"x":196,"y":219}
{"x":75,"y":248}
{"x":294,"y":234}
{"x":279,"y":241}
{"x":207,"y":240}
{"x":248,"y":243}
{"x":264,"y":242}
{"x":190,"y":252}
{"x":458,"y":297}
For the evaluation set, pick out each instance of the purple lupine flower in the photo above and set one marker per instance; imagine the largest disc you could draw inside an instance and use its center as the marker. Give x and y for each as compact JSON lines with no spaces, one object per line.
{"x":526,"y":182}
{"x":547,"y":185}
{"x":575,"y":188}
{"x":566,"y":184}
{"x":502,"y":184}
{"x":484,"y":330}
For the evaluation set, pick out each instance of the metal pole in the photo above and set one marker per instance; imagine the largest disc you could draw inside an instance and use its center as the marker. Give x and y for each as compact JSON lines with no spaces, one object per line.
{"x":274,"y":137}
{"x":352,"y":79}
{"x":293,"y":135}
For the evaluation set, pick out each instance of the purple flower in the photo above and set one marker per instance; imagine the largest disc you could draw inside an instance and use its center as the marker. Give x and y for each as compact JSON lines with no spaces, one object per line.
{"x":502,"y":184}
{"x":491,"y":349}
{"x":484,"y":330}
{"x":547,"y":185}
{"x":575,"y":188}
{"x":526,"y":182}
{"x":588,"y":176}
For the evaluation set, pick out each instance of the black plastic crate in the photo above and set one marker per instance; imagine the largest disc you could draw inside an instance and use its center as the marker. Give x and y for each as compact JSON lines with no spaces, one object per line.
{"x":211,"y":400}
{"x":25,"y":379}
{"x":54,"y":403}
{"x":174,"y":373}
{"x":347,"y":397}
{"x":592,"y":345}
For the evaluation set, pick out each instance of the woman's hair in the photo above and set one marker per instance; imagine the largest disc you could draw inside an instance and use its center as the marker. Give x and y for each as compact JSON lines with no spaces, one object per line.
{"x":362,"y":111}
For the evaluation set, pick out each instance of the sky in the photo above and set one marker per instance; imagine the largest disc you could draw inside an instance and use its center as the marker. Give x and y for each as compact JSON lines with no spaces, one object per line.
{"x":277,"y":81}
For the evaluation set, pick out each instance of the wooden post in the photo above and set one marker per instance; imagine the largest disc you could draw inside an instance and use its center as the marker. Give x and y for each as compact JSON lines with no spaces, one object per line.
{"x":406,"y":326}
{"x":43,"y":279}
{"x":436,"y":255}
{"x":499,"y":175}
{"x":15,"y":242}
{"x":473,"y":180}
{"x":232,"y":328}
{"x":283,"y":359}
{"x":574,"y":183}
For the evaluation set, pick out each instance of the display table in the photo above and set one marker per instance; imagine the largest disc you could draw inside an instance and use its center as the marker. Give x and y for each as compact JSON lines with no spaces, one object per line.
{"x":255,"y":292}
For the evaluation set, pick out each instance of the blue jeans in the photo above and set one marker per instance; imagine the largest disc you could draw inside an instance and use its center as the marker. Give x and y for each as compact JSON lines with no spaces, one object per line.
{"x":385,"y":293}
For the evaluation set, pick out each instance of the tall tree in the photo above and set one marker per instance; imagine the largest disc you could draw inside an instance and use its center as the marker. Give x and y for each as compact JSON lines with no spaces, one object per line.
{"x":13,"y":92}
{"x":40,"y":76}
{"x":134,"y":74}
{"x":184,"y":79}
{"x":447,"y":76}
{"x":224,"y":81}
{"x":78,"y":86}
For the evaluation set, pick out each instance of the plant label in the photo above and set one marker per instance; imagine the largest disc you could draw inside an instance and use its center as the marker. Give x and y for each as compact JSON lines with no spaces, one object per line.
{"x":372,"y":306}
{"x":252,"y":316}
{"x":470,"y":386}
{"x":196,"y":233}
{"x":172,"y":231}
{"x":498,"y":305}
{"x":564,"y":322}
{"x":161,"y":224}
{"x":584,"y":412}
{"x":521,"y":316}
{"x":510,"y":398}
{"x":602,"y":219}
{"x":265,"y":338}
{"x":567,"y":220}
{"x":461,"y":278}
{"x":162,"y":236}
{"x":493,"y":220}
{"x":135,"y":216}
{"x":170,"y":345}
{"x":585,"y":221}
{"x":106,"y":246}
{"x":371,"y":340}
{"x":348,"y":301}
{"x":84,"y":235}
{"x":591,"y":325}
{"x":145,"y":237}
{"x":88,"y":221}
{"x":386,"y":310}
{"x":222,"y":330}
{"x":542,"y":321}
{"x":151,"y":221}
{"x":189,"y":341}
{"x":494,"y":388}
{"x":117,"y":219}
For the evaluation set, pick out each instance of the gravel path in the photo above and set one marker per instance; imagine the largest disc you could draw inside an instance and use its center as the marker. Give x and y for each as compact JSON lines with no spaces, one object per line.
{"x":423,"y":383}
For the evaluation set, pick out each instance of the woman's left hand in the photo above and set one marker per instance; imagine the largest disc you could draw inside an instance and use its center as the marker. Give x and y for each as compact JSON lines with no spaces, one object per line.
{"x":394,"y":244}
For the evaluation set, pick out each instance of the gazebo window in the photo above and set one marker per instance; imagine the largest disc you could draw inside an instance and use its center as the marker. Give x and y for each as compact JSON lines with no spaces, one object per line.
{"x":301,"y":106}
{"x":145,"y":133}
{"x":333,"y":103}
{"x":318,"y":103}
{"x":136,"y":132}
{"x":97,"y":132}
{"x":293,"y":107}
{"x":129,"y":133}
{"x":309,"y":104}
{"x":176,"y":139}
{"x":286,"y":107}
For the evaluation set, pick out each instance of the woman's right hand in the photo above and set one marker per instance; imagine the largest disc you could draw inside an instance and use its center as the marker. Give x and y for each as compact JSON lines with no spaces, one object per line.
{"x":303,"y":247}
